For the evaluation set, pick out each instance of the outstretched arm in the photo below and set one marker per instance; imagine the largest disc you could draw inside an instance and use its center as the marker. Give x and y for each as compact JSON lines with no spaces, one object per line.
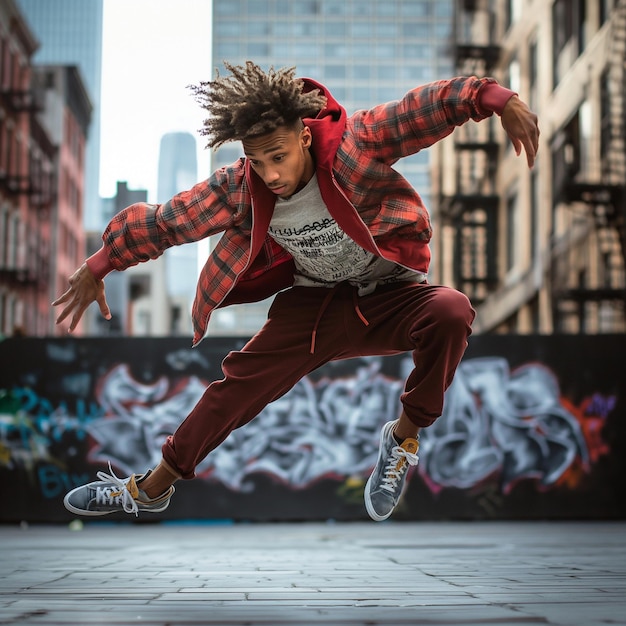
{"x":83,"y":290}
{"x":520,"y":124}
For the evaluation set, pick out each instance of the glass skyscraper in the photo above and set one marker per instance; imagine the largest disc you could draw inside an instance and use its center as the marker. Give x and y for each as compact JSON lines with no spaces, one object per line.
{"x":178,"y":169}
{"x":70,"y":33}
{"x":365,"y":51}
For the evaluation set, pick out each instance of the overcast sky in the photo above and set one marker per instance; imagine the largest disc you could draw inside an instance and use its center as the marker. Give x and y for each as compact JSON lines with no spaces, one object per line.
{"x":152,"y":49}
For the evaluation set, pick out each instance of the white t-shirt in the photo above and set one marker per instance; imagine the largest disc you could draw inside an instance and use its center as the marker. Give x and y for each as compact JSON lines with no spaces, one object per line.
{"x":324,"y":255}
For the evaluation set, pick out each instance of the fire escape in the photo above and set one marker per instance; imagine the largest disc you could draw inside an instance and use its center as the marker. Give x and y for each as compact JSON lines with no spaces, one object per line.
{"x":472,"y":210}
{"x":36,"y":185}
{"x":599,"y":286}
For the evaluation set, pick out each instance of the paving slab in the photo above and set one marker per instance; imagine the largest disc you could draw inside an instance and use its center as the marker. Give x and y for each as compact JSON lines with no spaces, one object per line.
{"x":336,"y":574}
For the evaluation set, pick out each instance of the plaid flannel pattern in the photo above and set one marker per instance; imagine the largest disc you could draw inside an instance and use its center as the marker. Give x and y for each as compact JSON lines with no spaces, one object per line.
{"x":386,"y":203}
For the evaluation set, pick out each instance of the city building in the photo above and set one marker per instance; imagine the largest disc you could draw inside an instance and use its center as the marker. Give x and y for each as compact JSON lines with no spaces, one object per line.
{"x":66,"y":116}
{"x":365,"y":51}
{"x":44,"y":116}
{"x":25,"y":191}
{"x":541,"y":250}
{"x":70,"y":33}
{"x":138,"y":298}
{"x":178,"y":170}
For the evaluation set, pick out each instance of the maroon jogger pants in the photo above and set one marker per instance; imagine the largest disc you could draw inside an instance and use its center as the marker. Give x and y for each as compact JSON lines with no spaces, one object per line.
{"x":309,"y":326}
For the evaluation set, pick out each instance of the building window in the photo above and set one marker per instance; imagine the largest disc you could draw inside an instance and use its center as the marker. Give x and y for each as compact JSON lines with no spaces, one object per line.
{"x":565,"y":155}
{"x":533,"y":70}
{"x":4,"y":236}
{"x":259,"y":29}
{"x":361,"y":29}
{"x":512,"y":231}
{"x":334,"y":71}
{"x":568,"y":35}
{"x":230,"y":29}
{"x":256,"y":50}
{"x":339,"y":93}
{"x":383,"y":9}
{"x":301,"y":50}
{"x":514,"y":76}
{"x":386,"y":72}
{"x":282,"y":51}
{"x":302,"y":29}
{"x":513,"y":9}
{"x":535,"y":202}
{"x":310,"y":7}
{"x":415,"y":8}
{"x":258,"y":7}
{"x":3,"y":144}
{"x":228,"y":8}
{"x":385,"y":51}
{"x":333,"y":7}
{"x":144,"y":323}
{"x":414,"y":30}
{"x":3,"y":313}
{"x":605,"y":7}
{"x":585,"y":114}
{"x":605,"y":113}
{"x":362,"y":72}
{"x":386,"y":29}
{"x":226,"y":50}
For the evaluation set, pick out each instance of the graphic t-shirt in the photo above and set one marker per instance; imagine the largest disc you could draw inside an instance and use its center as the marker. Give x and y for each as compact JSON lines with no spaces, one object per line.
{"x":323,"y":254}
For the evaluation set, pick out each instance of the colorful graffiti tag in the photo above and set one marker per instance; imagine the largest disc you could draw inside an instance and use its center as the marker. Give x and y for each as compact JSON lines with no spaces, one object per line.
{"x":501,"y":425}
{"x":511,"y":423}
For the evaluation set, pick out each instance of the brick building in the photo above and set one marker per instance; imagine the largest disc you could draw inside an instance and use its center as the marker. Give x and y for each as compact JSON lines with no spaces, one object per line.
{"x":539,"y":250}
{"x":44,"y":118}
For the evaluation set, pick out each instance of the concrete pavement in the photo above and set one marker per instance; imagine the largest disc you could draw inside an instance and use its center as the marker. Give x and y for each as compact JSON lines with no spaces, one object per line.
{"x":336,"y":574}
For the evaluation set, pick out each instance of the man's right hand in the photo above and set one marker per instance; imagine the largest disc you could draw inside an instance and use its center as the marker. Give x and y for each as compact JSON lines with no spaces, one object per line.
{"x":83,"y":290}
{"x":520,"y":124}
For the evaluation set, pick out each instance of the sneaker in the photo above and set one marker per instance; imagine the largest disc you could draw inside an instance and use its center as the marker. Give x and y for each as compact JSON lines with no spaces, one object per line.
{"x":111,"y":494}
{"x":385,"y":485}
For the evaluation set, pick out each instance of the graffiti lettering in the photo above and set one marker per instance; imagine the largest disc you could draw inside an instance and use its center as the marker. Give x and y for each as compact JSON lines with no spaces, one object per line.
{"x":54,"y":482}
{"x":498,"y":425}
{"x":498,"y":422}
{"x":601,"y":405}
{"x":51,"y":421}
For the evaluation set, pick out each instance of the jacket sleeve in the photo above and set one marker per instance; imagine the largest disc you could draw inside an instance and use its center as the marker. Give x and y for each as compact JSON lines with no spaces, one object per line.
{"x":143,"y":231}
{"x":425,"y":115}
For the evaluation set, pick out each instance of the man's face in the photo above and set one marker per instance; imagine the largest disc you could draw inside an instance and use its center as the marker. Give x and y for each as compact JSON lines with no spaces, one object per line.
{"x":282,"y":159}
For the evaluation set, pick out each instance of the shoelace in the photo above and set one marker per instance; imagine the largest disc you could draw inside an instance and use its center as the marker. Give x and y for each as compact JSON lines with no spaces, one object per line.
{"x":109,"y":495}
{"x":399,"y":461}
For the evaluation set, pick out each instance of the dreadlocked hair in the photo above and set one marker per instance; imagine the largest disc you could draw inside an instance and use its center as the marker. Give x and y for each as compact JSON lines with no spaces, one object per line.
{"x":252,"y":102}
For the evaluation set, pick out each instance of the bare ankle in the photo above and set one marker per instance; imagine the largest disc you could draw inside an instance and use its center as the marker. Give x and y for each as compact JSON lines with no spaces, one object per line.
{"x":405,"y":428}
{"x":157,"y":482}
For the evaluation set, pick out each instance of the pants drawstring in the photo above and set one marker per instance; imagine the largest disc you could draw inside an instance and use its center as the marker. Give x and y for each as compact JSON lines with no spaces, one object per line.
{"x":329,"y":296}
{"x":357,"y":310}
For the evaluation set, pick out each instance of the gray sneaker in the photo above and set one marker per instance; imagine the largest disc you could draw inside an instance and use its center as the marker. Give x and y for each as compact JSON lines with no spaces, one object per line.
{"x":385,"y":485}
{"x":111,"y":494}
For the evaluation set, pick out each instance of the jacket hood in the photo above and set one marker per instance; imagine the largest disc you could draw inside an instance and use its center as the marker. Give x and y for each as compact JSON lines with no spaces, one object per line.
{"x":327,"y":127}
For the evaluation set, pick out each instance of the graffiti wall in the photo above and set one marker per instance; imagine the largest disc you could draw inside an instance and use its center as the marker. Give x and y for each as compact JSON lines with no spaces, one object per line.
{"x":533,"y":428}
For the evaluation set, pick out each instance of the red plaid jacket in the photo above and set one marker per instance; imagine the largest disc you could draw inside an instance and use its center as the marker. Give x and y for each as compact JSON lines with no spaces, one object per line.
{"x":369,"y":200}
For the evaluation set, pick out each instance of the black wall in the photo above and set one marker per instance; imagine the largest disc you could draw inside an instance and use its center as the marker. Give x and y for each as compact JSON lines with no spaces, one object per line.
{"x":533,"y":428}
